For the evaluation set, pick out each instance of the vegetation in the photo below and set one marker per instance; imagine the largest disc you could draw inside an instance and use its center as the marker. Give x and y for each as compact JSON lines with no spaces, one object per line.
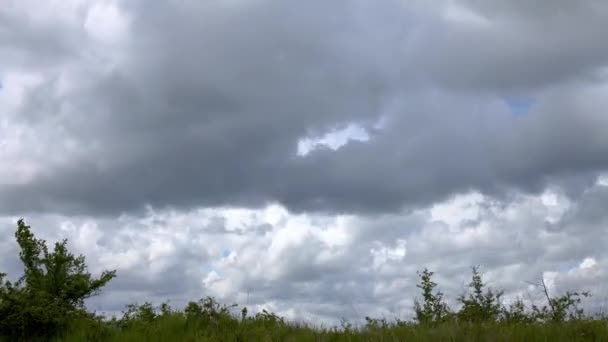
{"x":47,"y":303}
{"x":50,"y":295}
{"x":479,"y":306}
{"x":433,"y":309}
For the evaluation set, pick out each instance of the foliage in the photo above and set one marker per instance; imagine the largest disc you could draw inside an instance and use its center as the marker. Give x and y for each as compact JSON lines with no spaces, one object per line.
{"x":50,"y":295}
{"x":433,"y":309}
{"x":176,"y":327}
{"x":516,"y":314}
{"x":480,"y":306}
{"x":561,"y":308}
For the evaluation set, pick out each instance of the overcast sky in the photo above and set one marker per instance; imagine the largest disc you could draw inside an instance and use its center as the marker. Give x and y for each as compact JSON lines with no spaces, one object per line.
{"x":309,"y":157}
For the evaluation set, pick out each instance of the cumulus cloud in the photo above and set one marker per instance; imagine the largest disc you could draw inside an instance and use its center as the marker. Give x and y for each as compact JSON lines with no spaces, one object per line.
{"x":323,"y":268}
{"x":306,"y":155}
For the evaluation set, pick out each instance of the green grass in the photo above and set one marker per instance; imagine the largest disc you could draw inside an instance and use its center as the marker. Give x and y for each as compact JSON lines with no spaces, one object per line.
{"x":177,"y":327}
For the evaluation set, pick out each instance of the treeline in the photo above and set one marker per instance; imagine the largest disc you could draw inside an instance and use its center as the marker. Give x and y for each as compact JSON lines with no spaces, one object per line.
{"x":47,"y":303}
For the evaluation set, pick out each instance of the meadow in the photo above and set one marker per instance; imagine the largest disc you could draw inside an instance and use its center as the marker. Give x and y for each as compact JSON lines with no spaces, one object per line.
{"x":179,"y":327}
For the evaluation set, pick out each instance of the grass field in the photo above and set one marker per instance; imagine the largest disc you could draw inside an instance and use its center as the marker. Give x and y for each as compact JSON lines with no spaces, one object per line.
{"x":177,"y":327}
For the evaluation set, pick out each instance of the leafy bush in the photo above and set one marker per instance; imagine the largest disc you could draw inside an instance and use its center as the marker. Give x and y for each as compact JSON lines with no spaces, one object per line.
{"x":50,"y":295}
{"x":480,"y":306}
{"x":561,"y":308}
{"x":433,"y":309}
{"x":516,"y":314}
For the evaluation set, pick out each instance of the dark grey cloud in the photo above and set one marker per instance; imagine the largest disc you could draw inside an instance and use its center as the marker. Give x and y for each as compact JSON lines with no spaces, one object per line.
{"x":205,"y":104}
{"x":515,"y":46}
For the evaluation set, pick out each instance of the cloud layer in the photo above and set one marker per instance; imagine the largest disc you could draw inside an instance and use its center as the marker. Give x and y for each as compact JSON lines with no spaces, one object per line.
{"x":323,"y":268}
{"x":330,"y":131}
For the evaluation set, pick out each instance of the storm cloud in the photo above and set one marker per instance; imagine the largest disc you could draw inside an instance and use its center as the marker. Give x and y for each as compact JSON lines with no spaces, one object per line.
{"x":204,"y":104}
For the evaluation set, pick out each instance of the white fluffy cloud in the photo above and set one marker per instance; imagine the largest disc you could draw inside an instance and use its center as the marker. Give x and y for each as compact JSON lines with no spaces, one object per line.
{"x":322,"y":268}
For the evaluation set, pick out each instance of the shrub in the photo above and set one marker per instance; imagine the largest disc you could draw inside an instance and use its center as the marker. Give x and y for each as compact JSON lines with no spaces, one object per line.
{"x":561,"y":308}
{"x":50,"y":295}
{"x":432,"y":309}
{"x":480,"y":306}
{"x":516,"y":314}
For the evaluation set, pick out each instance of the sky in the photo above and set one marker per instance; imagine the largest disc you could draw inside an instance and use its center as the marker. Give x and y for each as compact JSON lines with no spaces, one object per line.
{"x":309,"y":157}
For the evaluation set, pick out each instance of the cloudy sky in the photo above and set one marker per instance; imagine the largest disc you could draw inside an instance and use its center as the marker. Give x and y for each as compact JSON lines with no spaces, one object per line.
{"x":309,"y":157}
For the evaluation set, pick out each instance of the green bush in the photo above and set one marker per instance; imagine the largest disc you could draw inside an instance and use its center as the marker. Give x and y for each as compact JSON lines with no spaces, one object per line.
{"x":479,"y":305}
{"x":50,"y":295}
{"x":433,"y":309}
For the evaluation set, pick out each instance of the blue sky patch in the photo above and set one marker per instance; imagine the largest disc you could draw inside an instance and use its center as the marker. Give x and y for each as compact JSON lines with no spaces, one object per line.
{"x":520,"y":106}
{"x":226,"y":253}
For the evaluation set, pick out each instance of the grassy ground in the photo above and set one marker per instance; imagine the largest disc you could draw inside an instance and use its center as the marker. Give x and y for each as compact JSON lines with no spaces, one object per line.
{"x":176,"y":327}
